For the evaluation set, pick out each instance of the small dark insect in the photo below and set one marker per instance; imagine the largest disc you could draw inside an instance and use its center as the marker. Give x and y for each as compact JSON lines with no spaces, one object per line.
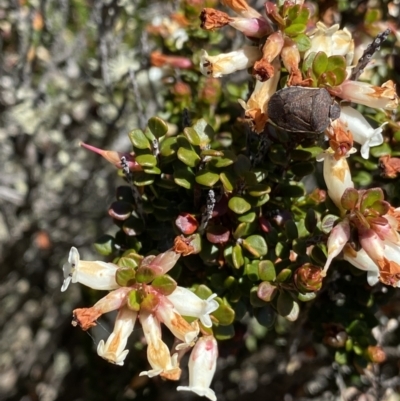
{"x":300,"y":109}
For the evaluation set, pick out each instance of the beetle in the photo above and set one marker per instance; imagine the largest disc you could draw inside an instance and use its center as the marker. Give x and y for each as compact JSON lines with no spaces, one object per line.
{"x":301,"y":109}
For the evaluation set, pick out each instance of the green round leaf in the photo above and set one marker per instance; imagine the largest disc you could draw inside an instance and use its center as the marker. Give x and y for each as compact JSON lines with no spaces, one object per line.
{"x":320,"y":63}
{"x":125,"y":276}
{"x":295,"y":29}
{"x":157,"y":126}
{"x":237,"y":256}
{"x":133,"y":300}
{"x":303,"y":42}
{"x":105,"y":245}
{"x":165,"y":284}
{"x":139,"y":139}
{"x":184,"y":178}
{"x":169,"y":146}
{"x":239,"y":205}
{"x":266,"y":291}
{"x":256,"y":245}
{"x":266,"y":270}
{"x":189,"y":157}
{"x":207,"y":178}
{"x":146,"y":160}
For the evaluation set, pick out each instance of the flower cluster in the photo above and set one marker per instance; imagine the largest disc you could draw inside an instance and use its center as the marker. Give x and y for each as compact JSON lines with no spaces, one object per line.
{"x":146,"y":293}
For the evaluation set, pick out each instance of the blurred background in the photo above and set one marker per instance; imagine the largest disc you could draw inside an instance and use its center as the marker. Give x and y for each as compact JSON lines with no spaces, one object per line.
{"x":81,"y":70}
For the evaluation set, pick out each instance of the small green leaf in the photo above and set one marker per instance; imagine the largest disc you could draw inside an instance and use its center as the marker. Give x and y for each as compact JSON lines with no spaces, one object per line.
{"x":134,"y":225}
{"x":328,"y":222}
{"x":336,"y":62}
{"x":256,"y":245}
{"x":225,"y":315}
{"x":283,"y":275}
{"x":320,"y":63}
{"x":303,"y":42}
{"x":258,"y":190}
{"x":267,"y":291}
{"x":191,"y":135}
{"x":139,"y":139}
{"x":228,"y":180}
{"x":244,"y":229}
{"x":125,"y":276}
{"x":169,"y":146}
{"x":105,"y":245}
{"x":184,"y":178}
{"x":189,"y":157}
{"x":295,"y":29}
{"x":207,"y":178}
{"x":157,"y":126}
{"x":237,"y":256}
{"x":251,"y":270}
{"x":308,"y":62}
{"x":146,"y":160}
{"x":371,"y":196}
{"x":239,"y":205}
{"x":266,"y":270}
{"x":141,"y":178}
{"x":349,"y":199}
{"x":309,"y":296}
{"x":287,"y":307}
{"x":165,"y":284}
{"x":133,"y":300}
{"x":204,"y":132}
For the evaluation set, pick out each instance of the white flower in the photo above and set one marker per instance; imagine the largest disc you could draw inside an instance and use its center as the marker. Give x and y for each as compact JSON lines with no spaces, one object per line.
{"x":362,"y":261}
{"x":179,"y":327}
{"x":336,"y":174}
{"x":226,"y":63}
{"x":114,"y":349}
{"x":360,"y":129}
{"x":94,"y":274}
{"x":377,"y":97}
{"x":338,"y":238}
{"x":158,"y":355}
{"x":332,"y":41}
{"x":187,"y":303}
{"x":202,"y":364}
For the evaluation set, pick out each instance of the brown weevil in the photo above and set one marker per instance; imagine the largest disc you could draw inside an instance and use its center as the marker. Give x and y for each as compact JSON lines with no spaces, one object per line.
{"x":301,"y":109}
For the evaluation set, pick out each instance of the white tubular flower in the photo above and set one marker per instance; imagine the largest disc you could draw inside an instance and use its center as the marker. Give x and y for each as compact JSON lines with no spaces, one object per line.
{"x":202,"y":365}
{"x":332,"y":41}
{"x":226,"y":63}
{"x":94,"y":274}
{"x":86,"y":317}
{"x":377,"y":97}
{"x":114,"y":349}
{"x":360,"y":129}
{"x":157,"y":351}
{"x":187,"y":303}
{"x":362,"y":261}
{"x":337,"y":175}
{"x":338,"y":238}
{"x":179,"y":327}
{"x":257,"y":104}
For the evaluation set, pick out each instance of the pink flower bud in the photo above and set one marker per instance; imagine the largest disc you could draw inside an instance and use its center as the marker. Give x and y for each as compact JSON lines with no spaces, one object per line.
{"x":308,"y":278}
{"x":115,"y":157}
{"x":202,"y":365}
